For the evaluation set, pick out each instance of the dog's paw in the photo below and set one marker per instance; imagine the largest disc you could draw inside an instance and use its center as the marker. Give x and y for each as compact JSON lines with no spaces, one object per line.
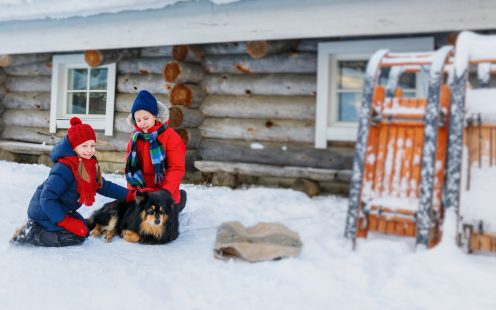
{"x":96,"y":232}
{"x":130,"y":236}
{"x":108,"y":236}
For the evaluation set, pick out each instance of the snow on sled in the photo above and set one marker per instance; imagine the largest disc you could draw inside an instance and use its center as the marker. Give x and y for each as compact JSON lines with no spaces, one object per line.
{"x":474,"y":165}
{"x":400,"y":154}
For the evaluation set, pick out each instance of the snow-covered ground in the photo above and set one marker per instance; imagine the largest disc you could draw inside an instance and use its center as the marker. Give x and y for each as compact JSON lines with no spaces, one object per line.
{"x":381,"y":274}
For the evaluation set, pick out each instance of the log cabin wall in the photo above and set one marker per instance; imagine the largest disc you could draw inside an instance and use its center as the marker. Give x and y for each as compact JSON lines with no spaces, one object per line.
{"x":25,"y":86}
{"x":260,"y":109}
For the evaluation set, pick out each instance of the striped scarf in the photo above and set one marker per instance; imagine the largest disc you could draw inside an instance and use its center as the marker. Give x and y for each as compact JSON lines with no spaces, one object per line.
{"x":134,"y":175}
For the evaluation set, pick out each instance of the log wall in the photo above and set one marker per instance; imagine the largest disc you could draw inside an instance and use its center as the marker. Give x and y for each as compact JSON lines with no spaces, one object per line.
{"x":232,"y":102}
{"x":25,"y":85}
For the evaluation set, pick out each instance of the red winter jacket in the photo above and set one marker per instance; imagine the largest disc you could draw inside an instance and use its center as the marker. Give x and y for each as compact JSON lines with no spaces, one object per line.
{"x":175,"y":152}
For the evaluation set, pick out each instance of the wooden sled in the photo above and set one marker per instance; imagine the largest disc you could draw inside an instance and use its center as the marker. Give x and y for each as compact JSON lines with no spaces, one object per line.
{"x":398,"y":176}
{"x":476,"y":227}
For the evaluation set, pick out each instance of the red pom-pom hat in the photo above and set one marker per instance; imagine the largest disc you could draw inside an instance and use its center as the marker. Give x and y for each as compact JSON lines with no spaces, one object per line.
{"x":79,"y":133}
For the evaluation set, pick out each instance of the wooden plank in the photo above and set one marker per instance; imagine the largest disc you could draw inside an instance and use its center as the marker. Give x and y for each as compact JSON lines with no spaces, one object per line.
{"x":26,"y":118}
{"x":244,"y":64}
{"x":260,"y":49}
{"x":34,"y":69}
{"x":273,"y":107}
{"x":315,"y":174}
{"x":258,"y":130}
{"x":143,"y":66}
{"x":133,"y":83}
{"x":182,"y":72}
{"x":22,"y":59}
{"x":284,"y":154}
{"x":27,"y":100}
{"x":29,"y":84}
{"x":258,"y":84}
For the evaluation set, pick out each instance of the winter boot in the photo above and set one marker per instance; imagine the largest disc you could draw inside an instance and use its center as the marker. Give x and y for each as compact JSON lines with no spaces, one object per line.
{"x":25,"y":233}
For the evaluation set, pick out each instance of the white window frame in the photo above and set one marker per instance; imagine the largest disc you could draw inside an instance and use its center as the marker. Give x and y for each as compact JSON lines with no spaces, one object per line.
{"x":58,"y":119}
{"x":327,"y":128}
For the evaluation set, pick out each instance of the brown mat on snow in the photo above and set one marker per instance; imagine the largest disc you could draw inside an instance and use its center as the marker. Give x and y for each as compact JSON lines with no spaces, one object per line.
{"x":264,"y":241}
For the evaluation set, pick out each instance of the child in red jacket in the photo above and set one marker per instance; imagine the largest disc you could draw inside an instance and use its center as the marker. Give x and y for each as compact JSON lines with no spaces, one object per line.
{"x":156,"y":153}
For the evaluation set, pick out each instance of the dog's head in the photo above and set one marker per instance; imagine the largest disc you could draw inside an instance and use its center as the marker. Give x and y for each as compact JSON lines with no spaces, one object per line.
{"x":154,"y":208}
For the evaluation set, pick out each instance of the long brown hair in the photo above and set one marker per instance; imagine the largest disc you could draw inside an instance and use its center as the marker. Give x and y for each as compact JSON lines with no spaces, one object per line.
{"x":84,"y":174}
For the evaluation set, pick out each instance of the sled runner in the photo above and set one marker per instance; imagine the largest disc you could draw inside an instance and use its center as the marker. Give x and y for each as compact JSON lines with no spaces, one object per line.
{"x":400,"y":153}
{"x":474,"y":164}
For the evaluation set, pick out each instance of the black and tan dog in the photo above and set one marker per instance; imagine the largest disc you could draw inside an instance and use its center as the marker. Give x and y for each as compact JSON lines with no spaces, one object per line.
{"x":151,"y":220}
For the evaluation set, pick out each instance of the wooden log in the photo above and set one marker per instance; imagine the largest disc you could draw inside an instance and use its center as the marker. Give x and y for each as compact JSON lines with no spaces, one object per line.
{"x":34,"y":69}
{"x":258,"y":130}
{"x":28,"y":118}
{"x":280,"y":63}
{"x":308,"y":45}
{"x":3,"y":91}
{"x":191,"y":157}
{"x":111,"y":156}
{"x":29,"y":84}
{"x":31,"y":135}
{"x":273,"y":107}
{"x":271,"y":84}
{"x":259,"y":49}
{"x":120,"y":122}
{"x":143,"y":66}
{"x":3,"y":76}
{"x":27,"y":100}
{"x":176,"y":117}
{"x":188,"y":95}
{"x":317,"y":174}
{"x":283,"y":154}
{"x":157,"y":51}
{"x":225,"y":48}
{"x":184,"y":117}
{"x":117,"y":142}
{"x":182,"y":72}
{"x":22,"y":59}
{"x":124,"y":102}
{"x":133,"y":83}
{"x":190,"y":136}
{"x":95,"y":58}
{"x":188,"y":53}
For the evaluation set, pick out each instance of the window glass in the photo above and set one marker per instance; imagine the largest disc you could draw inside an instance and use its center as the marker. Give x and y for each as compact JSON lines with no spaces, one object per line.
{"x":350,"y":81}
{"x":87,"y":91}
{"x":98,"y":79}
{"x":98,"y":102}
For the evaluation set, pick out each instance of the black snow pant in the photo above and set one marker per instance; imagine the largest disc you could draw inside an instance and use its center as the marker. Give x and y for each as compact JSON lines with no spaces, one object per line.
{"x":180,"y":206}
{"x":34,"y":234}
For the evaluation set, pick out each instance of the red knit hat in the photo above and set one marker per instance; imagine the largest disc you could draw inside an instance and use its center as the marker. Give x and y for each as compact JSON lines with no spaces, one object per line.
{"x":79,"y":133}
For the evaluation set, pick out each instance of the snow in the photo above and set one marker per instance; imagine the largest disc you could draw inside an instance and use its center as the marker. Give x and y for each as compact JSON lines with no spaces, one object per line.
{"x":383,"y":273}
{"x":481,"y":100}
{"x":40,"y":9}
{"x":478,"y":202}
{"x":257,"y":146}
{"x":472,"y":46}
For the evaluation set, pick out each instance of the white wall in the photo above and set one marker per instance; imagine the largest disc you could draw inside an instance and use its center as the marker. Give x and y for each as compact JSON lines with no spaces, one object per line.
{"x":204,"y":22}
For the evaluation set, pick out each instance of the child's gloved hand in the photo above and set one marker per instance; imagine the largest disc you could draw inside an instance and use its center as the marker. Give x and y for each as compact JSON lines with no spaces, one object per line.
{"x":74,"y":225}
{"x":131,"y":196}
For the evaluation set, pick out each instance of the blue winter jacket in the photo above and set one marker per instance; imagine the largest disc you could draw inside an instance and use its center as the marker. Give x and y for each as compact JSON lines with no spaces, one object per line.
{"x":58,"y":195}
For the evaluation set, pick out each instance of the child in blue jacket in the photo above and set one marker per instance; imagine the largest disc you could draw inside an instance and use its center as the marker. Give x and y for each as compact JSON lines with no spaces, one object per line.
{"x":73,"y":181}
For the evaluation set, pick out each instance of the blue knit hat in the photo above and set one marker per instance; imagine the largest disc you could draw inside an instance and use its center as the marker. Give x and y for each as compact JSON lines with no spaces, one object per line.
{"x":145,"y":101}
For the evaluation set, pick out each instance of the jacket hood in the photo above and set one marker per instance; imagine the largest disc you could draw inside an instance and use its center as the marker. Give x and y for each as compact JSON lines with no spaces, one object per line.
{"x":162,"y":115}
{"x":62,"y":149}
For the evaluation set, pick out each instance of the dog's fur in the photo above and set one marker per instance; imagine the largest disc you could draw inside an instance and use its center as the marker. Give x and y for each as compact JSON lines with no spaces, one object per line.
{"x":150,"y":220}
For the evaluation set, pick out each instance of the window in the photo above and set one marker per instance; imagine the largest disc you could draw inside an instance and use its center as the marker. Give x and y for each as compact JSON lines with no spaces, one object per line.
{"x":340,"y":78}
{"x":82,"y":91}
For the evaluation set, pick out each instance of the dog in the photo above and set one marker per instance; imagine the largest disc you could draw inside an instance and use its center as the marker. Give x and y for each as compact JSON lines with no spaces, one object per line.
{"x":149,"y":220}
